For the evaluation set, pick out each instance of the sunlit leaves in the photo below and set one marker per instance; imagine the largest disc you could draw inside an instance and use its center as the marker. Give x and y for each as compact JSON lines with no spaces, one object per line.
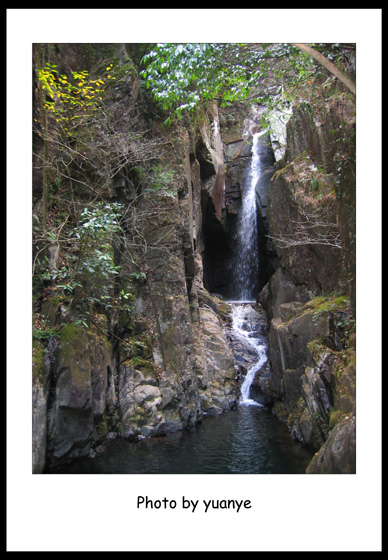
{"x":67,"y":98}
{"x":178,"y":75}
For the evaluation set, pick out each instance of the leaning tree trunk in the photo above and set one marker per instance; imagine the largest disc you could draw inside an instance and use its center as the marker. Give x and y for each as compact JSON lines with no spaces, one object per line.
{"x":327,"y":64}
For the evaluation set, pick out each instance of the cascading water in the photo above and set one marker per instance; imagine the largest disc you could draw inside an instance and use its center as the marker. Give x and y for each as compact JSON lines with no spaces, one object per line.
{"x":249,"y":346}
{"x":244,"y":334}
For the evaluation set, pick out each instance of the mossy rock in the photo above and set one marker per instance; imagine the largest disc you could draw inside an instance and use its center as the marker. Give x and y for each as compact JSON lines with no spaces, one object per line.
{"x":38,"y":365}
{"x":144,"y":366}
{"x":324,"y":304}
{"x":335,"y":417}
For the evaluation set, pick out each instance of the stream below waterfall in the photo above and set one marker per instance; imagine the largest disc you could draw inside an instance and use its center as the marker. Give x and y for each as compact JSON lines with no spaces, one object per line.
{"x":247,"y":440}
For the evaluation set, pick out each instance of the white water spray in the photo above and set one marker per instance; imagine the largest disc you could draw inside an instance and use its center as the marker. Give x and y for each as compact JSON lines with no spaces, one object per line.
{"x":245,"y":333}
{"x":244,"y":318}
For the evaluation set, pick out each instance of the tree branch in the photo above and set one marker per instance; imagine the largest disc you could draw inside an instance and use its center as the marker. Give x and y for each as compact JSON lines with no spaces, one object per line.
{"x":327,"y":64}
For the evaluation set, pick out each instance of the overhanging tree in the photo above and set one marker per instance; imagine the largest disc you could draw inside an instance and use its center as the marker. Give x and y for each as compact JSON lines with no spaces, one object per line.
{"x":182,"y":76}
{"x":333,"y":69}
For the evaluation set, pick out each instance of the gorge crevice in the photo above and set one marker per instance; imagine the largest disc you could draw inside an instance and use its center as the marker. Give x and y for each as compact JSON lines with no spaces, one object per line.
{"x":220,"y":227}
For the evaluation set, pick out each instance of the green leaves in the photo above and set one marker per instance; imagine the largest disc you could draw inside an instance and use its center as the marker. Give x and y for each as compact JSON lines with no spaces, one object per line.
{"x":95,"y":232}
{"x":182,"y":76}
{"x":90,"y":270}
{"x":160,"y":182}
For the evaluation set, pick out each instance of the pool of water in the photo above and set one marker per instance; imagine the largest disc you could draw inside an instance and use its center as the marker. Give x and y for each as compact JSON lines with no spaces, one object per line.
{"x":248,"y":440}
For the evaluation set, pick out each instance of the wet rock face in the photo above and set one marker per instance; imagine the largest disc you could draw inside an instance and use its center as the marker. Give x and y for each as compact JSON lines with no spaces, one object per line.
{"x":220,"y":212}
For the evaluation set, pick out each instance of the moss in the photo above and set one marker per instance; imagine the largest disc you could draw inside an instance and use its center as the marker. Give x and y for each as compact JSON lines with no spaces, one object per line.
{"x":347,"y":363}
{"x":141,"y":347}
{"x":314,"y":304}
{"x":74,"y":344}
{"x":50,"y":306}
{"x":38,"y":365}
{"x":69,"y":332}
{"x":323,"y":304}
{"x":138,"y":419}
{"x":145,"y":366}
{"x":335,"y":417}
{"x":316,"y":347}
{"x":101,"y":429}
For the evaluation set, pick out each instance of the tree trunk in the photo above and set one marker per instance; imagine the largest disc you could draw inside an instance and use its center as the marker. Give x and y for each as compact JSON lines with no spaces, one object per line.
{"x":327,"y":64}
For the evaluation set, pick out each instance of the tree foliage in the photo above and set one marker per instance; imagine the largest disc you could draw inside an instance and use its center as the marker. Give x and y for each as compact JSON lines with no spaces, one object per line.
{"x":182,"y":76}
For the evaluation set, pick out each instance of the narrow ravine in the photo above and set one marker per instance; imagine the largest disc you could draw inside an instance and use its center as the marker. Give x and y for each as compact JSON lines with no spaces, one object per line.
{"x":246,"y":440}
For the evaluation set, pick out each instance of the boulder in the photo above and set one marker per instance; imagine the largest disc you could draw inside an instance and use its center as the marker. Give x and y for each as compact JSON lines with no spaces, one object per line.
{"x":215,"y":363}
{"x":338,"y":453}
{"x":140,"y":401}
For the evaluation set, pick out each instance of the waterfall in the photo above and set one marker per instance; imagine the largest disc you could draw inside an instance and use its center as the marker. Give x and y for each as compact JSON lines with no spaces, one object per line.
{"x":247,"y":265}
{"x":249,"y":345}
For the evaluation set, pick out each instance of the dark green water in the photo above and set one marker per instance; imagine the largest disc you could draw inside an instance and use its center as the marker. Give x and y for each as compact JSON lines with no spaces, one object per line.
{"x":248,"y":440}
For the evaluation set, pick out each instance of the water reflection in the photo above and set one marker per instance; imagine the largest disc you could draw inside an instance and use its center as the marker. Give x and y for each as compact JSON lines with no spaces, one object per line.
{"x":248,"y":440}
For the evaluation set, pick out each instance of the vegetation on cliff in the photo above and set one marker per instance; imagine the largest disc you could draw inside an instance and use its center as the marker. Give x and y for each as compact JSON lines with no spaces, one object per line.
{"x":89,"y":148}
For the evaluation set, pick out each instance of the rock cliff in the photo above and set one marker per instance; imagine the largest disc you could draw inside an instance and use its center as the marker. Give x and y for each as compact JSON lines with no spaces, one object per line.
{"x":310,"y":299}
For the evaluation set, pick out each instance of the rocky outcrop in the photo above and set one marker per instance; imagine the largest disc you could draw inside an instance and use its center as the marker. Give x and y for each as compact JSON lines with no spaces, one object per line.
{"x":311,"y":202}
{"x":73,"y":395}
{"x":82,"y":399}
{"x":311,"y":369}
{"x":40,"y":386}
{"x":141,"y":400}
{"x":311,"y":217}
{"x":338,"y":453}
{"x":215,"y":363}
